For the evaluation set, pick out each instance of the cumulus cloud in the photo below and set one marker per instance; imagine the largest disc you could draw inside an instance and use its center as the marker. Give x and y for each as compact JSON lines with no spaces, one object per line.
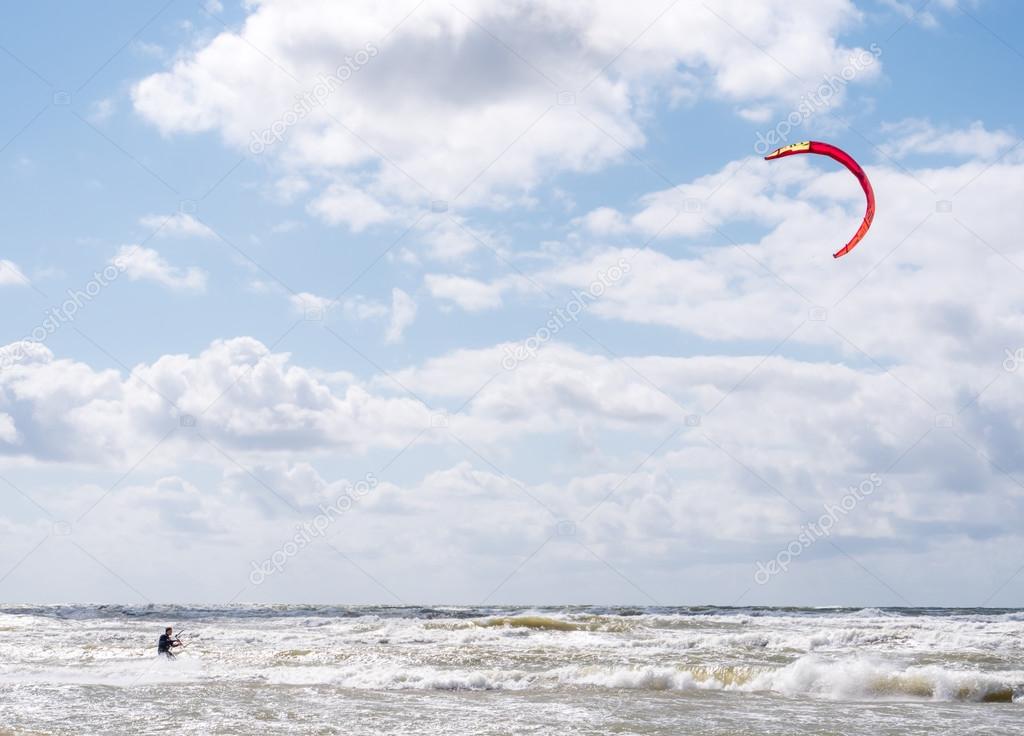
{"x":723,"y":491}
{"x":179,"y":224}
{"x":743,"y":190}
{"x":433,"y":107}
{"x":146,"y":264}
{"x":934,"y":227}
{"x":244,"y":398}
{"x":776,"y":439}
{"x":925,"y":315}
{"x":250,"y":400}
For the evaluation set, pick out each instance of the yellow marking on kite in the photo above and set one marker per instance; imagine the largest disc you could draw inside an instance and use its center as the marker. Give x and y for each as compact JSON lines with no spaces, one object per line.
{"x":794,"y":148}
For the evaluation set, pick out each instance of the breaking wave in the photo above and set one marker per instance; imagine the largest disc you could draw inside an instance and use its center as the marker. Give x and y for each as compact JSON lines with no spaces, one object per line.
{"x":810,"y":676}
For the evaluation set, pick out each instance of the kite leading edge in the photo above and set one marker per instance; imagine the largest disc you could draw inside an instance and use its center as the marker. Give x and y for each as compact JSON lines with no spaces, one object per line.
{"x":846,"y":160}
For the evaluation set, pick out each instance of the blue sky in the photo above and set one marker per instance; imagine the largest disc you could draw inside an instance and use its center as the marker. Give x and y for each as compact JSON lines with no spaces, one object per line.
{"x":316,"y":312}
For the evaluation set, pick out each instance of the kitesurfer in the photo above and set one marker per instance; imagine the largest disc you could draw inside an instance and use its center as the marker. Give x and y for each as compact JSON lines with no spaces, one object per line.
{"x":167,"y":643}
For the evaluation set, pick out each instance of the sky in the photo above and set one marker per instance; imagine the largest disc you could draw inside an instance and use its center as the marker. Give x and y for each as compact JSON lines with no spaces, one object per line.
{"x":498,"y":303}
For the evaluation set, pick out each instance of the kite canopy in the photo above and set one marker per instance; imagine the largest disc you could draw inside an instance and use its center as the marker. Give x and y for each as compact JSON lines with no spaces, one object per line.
{"x":846,"y":160}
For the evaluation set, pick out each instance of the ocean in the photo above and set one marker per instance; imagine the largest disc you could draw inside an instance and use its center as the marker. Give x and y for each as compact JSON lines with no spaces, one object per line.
{"x":265,"y":669}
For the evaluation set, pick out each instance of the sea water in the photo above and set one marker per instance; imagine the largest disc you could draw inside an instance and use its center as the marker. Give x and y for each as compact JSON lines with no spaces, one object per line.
{"x":252,"y":669}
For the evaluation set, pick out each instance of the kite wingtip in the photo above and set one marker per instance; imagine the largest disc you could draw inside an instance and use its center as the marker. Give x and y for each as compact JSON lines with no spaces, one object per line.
{"x":789,"y":150}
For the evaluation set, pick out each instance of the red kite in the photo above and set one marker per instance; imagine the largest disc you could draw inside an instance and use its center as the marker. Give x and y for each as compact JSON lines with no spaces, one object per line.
{"x":846,"y":160}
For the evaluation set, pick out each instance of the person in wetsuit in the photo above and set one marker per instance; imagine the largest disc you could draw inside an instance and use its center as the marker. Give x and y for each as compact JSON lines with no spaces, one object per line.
{"x":167,"y":643}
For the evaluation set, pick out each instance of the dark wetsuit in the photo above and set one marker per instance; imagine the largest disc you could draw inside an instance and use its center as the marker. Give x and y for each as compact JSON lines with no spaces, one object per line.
{"x":164,"y":647}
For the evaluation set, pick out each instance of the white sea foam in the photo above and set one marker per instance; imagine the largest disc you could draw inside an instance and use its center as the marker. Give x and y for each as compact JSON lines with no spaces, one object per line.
{"x":854,"y":678}
{"x":498,"y":670}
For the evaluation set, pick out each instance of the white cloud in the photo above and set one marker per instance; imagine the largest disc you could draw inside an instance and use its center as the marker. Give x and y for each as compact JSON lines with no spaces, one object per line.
{"x":747,"y":190}
{"x":752,"y":411}
{"x":914,"y":136}
{"x":361,"y":308}
{"x":288,"y":188}
{"x":470,"y":294}
{"x":443,"y":111}
{"x":244,"y":398}
{"x":344,"y":204}
{"x":810,"y":429}
{"x":8,"y":431}
{"x":400,"y":314}
{"x":179,"y":224}
{"x":251,"y":402}
{"x":404,"y":256}
{"x":11,"y":275}
{"x":913,"y":12}
{"x":689,"y":513}
{"x":931,"y":295}
{"x":450,"y":238}
{"x":758,"y":289}
{"x":311,"y":305}
{"x":603,"y":221}
{"x":921,"y":12}
{"x":403,"y":314}
{"x":145,"y":264}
